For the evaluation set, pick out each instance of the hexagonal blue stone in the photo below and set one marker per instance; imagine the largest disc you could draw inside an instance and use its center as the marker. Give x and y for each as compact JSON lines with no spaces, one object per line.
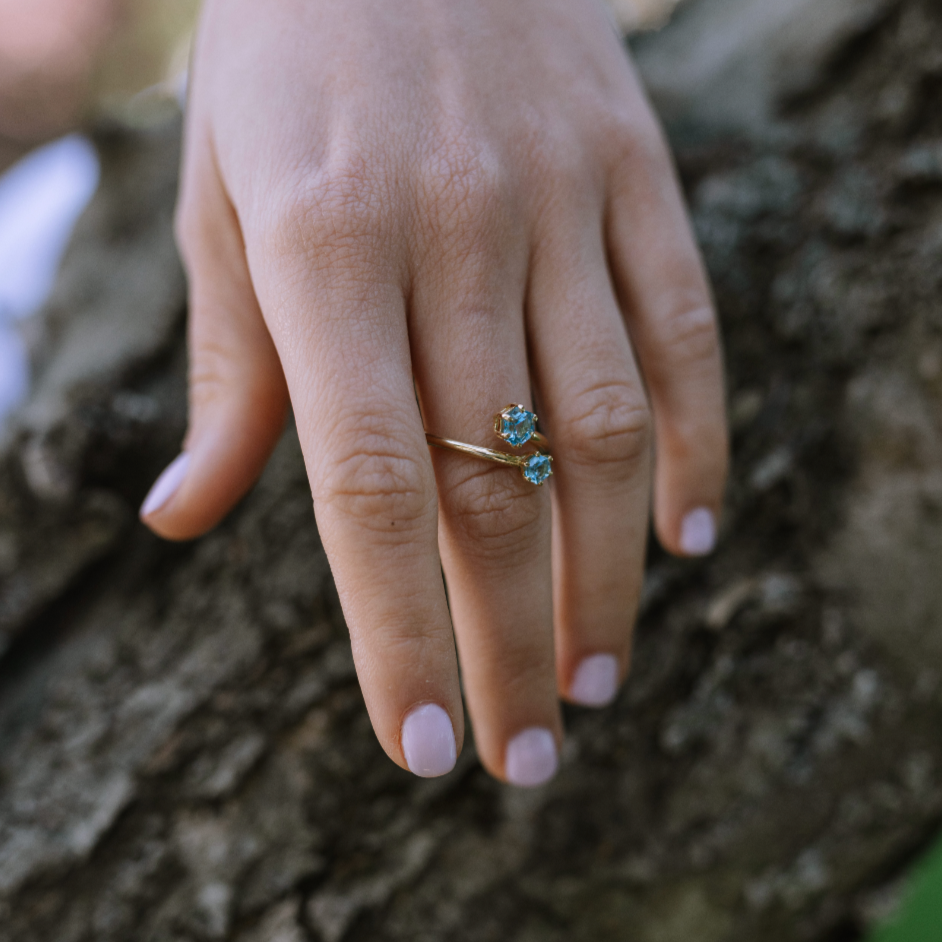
{"x":517,"y":426}
{"x":538,"y":468}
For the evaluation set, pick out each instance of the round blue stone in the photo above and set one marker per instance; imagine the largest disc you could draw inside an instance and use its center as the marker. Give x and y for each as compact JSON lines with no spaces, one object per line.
{"x":517,"y":426}
{"x":538,"y":468}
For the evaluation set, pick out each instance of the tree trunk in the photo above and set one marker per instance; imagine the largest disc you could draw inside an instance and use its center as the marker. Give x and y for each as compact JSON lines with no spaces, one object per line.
{"x":184,"y":751}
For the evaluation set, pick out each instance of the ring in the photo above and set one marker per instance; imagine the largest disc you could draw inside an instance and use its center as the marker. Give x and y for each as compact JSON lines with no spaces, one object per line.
{"x":516,"y":426}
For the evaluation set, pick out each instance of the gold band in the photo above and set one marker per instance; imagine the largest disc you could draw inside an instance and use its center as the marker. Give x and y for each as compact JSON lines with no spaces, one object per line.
{"x":489,"y":454}
{"x":516,"y":426}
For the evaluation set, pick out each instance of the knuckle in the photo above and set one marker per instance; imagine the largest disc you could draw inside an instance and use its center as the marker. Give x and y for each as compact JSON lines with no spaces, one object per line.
{"x":380,"y":484}
{"x":610,"y":424}
{"x":691,"y":336}
{"x":335,"y":205}
{"x":637,"y":139}
{"x":495,"y":510}
{"x":566,"y":177}
{"x":559,"y":166}
{"x":463,"y":185}
{"x":568,"y":169}
{"x":210,"y":373}
{"x":623,"y":129}
{"x":416,"y":640}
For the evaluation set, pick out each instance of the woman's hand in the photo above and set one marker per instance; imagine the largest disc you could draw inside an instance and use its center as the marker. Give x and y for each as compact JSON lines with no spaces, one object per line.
{"x":469,"y":202}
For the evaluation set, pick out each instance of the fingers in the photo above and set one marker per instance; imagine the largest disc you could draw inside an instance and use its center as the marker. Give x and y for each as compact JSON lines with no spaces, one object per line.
{"x":470,"y":361}
{"x":670,"y":313}
{"x":238,"y":397}
{"x":337,"y":315}
{"x":596,"y":413}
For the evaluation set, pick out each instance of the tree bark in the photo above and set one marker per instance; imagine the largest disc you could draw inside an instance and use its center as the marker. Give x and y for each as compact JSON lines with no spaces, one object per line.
{"x":184,"y":751}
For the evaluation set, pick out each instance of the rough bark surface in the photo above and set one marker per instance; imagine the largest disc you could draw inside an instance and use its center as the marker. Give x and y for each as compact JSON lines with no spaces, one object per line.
{"x":184,"y":752}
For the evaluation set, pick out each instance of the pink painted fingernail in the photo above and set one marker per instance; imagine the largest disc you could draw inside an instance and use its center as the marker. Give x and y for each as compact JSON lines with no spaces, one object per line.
{"x":531,"y":758}
{"x":698,"y":533}
{"x":428,"y":741}
{"x":166,"y":485}
{"x":595,"y":682}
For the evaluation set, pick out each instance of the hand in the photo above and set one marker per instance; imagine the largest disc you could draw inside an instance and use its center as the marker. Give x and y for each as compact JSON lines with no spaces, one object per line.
{"x":464,"y":201}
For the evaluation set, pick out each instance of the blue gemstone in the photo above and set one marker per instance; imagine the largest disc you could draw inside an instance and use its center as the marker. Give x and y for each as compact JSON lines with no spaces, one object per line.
{"x":538,"y":468}
{"x":517,"y":426}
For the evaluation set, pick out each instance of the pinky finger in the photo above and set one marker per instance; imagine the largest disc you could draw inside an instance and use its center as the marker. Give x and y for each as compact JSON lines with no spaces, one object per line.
{"x":672,"y":322}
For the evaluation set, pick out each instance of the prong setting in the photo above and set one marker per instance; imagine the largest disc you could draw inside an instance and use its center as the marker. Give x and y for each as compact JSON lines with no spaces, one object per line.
{"x":537,"y":468}
{"x":515,"y":425}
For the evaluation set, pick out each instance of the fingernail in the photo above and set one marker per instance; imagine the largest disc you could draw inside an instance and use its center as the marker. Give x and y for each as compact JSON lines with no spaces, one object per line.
{"x":166,"y":485}
{"x":428,"y":741}
{"x":698,"y":533}
{"x":531,"y":758}
{"x":595,"y":682}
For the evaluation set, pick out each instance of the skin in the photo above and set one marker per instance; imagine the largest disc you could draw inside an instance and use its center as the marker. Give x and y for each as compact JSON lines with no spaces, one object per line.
{"x":469,"y":204}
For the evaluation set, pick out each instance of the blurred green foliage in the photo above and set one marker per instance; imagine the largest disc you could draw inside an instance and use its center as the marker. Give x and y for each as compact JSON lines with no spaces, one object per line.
{"x":919,"y":918}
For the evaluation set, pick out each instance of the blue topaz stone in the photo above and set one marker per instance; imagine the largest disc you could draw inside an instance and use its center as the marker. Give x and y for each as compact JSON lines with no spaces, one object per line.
{"x":515,"y":425}
{"x":538,"y":468}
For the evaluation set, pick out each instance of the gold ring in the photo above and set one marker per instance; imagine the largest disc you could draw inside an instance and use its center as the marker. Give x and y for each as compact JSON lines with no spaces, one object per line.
{"x":516,"y":426}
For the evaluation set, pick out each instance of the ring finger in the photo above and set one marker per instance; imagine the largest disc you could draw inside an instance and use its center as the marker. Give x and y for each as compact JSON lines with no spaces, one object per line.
{"x":495,"y":527}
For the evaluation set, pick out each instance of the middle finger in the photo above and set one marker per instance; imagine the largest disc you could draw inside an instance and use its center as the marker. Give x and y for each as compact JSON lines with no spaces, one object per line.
{"x":597,"y":414}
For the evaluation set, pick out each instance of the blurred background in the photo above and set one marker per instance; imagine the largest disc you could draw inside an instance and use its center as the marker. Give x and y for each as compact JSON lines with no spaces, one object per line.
{"x":64,"y":65}
{"x":807,"y":138}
